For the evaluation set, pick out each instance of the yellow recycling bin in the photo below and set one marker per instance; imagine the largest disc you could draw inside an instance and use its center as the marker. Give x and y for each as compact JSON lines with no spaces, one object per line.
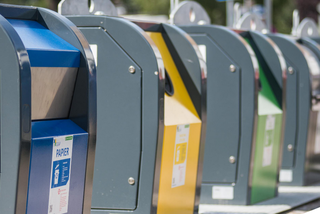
{"x":181,"y":141}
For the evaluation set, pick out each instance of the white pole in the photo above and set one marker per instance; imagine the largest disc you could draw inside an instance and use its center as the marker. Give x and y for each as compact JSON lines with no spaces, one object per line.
{"x":230,"y":13}
{"x":237,"y":14}
{"x":295,"y":22}
{"x":171,"y":5}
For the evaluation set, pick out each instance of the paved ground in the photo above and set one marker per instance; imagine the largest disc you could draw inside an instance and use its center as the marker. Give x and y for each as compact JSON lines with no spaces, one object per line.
{"x":291,"y":200}
{"x":305,"y":208}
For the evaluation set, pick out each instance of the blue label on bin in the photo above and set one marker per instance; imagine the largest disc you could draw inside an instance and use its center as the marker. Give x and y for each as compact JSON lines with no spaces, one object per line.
{"x":60,"y":173}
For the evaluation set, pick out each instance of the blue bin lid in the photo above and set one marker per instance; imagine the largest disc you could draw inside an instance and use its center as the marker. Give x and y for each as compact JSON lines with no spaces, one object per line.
{"x":52,"y":128}
{"x":45,"y":49}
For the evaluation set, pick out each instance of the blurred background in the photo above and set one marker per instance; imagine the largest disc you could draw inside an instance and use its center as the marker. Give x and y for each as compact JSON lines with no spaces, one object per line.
{"x":282,"y":9}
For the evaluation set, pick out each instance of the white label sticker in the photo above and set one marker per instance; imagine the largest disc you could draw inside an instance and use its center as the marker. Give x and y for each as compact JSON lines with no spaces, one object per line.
{"x":317,"y":141}
{"x":285,"y":175}
{"x":60,"y":174}
{"x":94,"y":49}
{"x":203,"y":51}
{"x":222,"y":192}
{"x":180,"y":155}
{"x":268,"y":140}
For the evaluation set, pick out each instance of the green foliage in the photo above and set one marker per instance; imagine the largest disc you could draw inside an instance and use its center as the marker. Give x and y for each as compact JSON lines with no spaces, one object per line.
{"x":282,"y":10}
{"x":216,"y":11}
{"x":282,"y":14}
{"x":153,"y":7}
{"x":38,"y":3}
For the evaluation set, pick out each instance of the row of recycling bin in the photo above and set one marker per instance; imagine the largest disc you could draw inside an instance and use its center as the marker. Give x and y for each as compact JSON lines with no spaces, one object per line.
{"x":105,"y":115}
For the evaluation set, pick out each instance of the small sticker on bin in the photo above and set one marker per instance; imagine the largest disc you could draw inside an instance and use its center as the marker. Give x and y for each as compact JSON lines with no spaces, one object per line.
{"x":180,"y":155}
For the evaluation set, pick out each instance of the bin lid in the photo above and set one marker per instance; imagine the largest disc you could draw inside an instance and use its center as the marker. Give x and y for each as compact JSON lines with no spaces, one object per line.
{"x":45,"y":49}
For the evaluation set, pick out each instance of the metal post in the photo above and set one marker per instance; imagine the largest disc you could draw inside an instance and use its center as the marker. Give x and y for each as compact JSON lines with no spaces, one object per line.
{"x":230,"y":14}
{"x":268,"y":8}
{"x":295,"y":22}
{"x":318,"y":9}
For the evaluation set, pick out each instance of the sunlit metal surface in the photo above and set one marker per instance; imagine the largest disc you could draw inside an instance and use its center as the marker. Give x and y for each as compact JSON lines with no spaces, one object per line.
{"x":204,"y":74}
{"x":73,"y":7}
{"x":256,"y":93}
{"x":103,"y":7}
{"x":314,"y":72}
{"x":161,"y":74}
{"x":313,"y":63}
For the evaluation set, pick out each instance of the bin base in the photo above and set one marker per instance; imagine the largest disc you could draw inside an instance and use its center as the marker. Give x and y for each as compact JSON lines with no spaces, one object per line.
{"x":288,"y":198}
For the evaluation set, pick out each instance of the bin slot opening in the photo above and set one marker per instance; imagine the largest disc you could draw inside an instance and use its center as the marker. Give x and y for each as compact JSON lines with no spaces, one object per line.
{"x":54,"y":66}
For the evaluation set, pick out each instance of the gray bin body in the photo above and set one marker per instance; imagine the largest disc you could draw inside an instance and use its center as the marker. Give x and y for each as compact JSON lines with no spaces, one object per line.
{"x":302,"y":112}
{"x":130,"y":112}
{"x":232,"y":95}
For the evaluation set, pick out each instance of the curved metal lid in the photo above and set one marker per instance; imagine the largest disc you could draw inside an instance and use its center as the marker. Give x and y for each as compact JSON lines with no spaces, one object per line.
{"x":189,"y":13}
{"x":314,"y":69}
{"x":81,"y":7}
{"x":307,"y":28}
{"x":103,"y":7}
{"x":251,"y":21}
{"x":73,"y":7}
